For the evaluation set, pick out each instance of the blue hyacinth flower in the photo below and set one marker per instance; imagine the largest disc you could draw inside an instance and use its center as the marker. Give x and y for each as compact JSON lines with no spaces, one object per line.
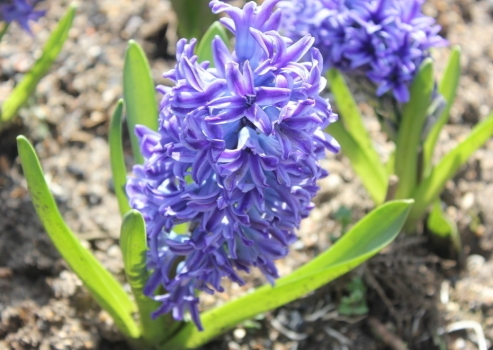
{"x":236,"y":157}
{"x":20,"y":11}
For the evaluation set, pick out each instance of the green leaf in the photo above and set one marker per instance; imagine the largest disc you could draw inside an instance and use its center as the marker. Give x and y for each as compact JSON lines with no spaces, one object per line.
{"x":362,"y":162}
{"x":364,"y":240}
{"x":105,"y":289}
{"x":355,"y":141}
{"x":5,"y":27}
{"x":134,"y":248}
{"x":194,"y":17}
{"x":447,"y":88}
{"x":347,"y":107}
{"x":139,"y":95}
{"x":377,"y":229}
{"x":443,"y":228}
{"x":431,"y":187}
{"x":355,"y":302}
{"x":117,"y":158}
{"x":29,"y":82}
{"x":410,"y":130}
{"x":437,"y":221}
{"x":204,"y":50}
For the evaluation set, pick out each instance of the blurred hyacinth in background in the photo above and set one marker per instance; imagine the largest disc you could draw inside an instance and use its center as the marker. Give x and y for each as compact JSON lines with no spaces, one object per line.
{"x":386,"y":41}
{"x":378,"y":44}
{"x":236,"y":157}
{"x":20,"y":11}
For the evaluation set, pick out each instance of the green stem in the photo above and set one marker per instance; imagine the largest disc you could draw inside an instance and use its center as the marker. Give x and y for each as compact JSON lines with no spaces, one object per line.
{"x":4,"y":30}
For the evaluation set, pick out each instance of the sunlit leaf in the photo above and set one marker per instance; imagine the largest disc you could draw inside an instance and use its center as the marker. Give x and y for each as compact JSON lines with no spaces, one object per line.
{"x":447,"y":88}
{"x":133,"y":243}
{"x":431,"y":186}
{"x":355,"y":141}
{"x":204,"y":49}
{"x":368,"y":236}
{"x":139,"y":95}
{"x":361,"y":162}
{"x":105,"y":289}
{"x":410,"y":130}
{"x":117,"y":158}
{"x":443,"y":228}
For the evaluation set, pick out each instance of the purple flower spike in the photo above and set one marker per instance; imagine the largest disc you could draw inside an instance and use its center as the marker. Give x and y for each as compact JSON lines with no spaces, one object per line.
{"x":384,"y":40}
{"x":236,"y":157}
{"x":20,"y":11}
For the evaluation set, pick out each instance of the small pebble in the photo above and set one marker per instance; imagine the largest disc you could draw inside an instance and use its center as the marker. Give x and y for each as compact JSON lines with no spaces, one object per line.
{"x":77,"y":171}
{"x":333,"y":183}
{"x":475,"y":262}
{"x":460,"y":343}
{"x":114,"y":251}
{"x":467,"y":201}
{"x":239,"y":333}
{"x":233,"y":346}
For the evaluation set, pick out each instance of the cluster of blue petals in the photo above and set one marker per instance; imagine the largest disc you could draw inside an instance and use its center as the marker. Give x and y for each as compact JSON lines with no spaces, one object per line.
{"x":20,"y":11}
{"x":236,"y":156}
{"x":384,"y":40}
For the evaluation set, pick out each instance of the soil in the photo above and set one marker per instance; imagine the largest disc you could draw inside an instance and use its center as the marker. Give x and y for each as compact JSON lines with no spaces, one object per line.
{"x":414,"y":296}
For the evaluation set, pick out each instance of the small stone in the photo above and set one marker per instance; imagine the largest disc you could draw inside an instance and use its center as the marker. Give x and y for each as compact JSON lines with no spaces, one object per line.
{"x":460,"y":343}
{"x":475,"y":262}
{"x":239,"y":333}
{"x":467,"y":201}
{"x":332,"y":183}
{"x":104,"y":244}
{"x":93,"y":198}
{"x":85,"y":243}
{"x":298,"y":245}
{"x":5,"y":272}
{"x":114,"y":251}
{"x":95,"y":51}
{"x":233,"y":346}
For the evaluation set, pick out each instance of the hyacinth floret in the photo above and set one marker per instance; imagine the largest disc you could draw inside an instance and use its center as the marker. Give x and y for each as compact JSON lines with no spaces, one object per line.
{"x":20,"y":11}
{"x":236,"y":157}
{"x":384,"y":40}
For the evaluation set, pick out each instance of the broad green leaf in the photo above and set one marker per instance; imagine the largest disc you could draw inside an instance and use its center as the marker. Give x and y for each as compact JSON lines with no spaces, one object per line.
{"x":447,"y":88}
{"x":364,"y":240}
{"x":194,"y":17}
{"x":117,"y":158}
{"x":443,"y":227}
{"x":133,"y":243}
{"x":431,"y":187}
{"x":204,"y":50}
{"x":410,"y":130}
{"x":376,"y":229}
{"x":361,"y":162}
{"x":355,"y":141}
{"x":139,"y":95}
{"x":51,"y":49}
{"x":105,"y":289}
